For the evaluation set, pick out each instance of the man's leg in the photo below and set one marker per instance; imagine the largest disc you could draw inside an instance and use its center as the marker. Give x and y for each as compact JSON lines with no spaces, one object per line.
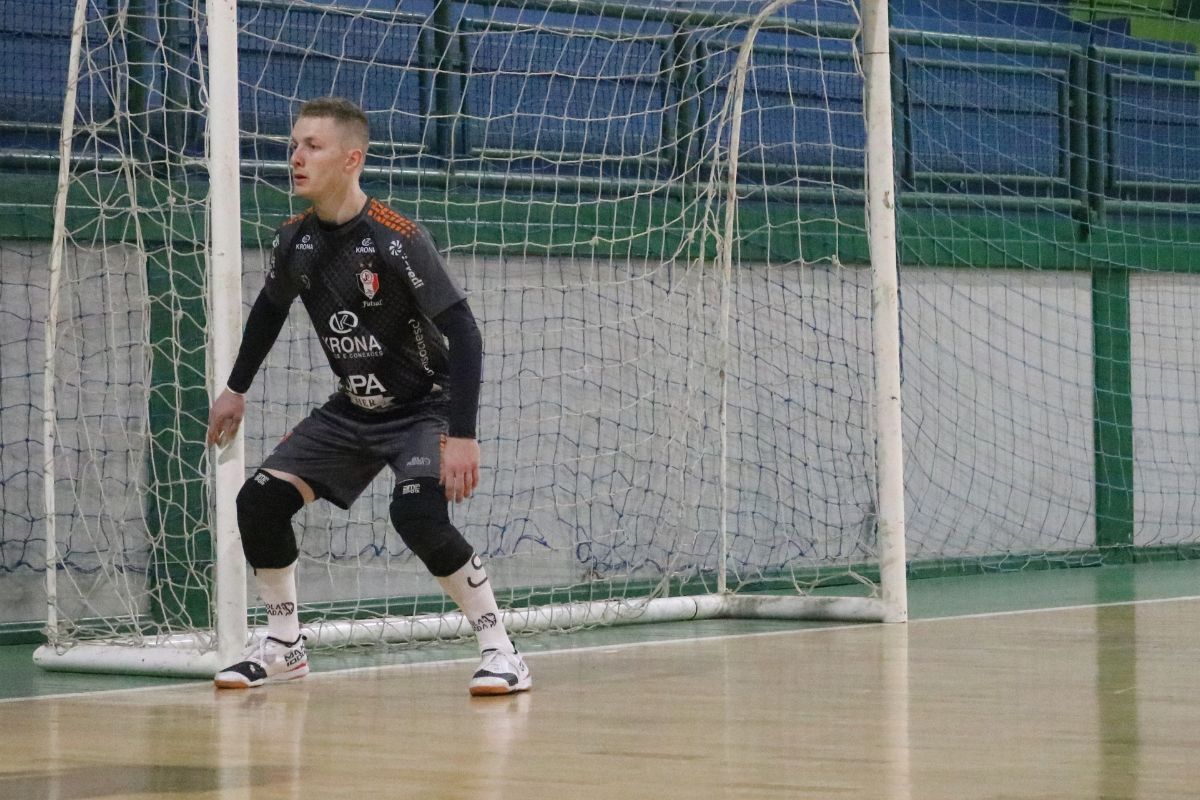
{"x":468,"y":586}
{"x":419,"y":513}
{"x":266,"y":505}
{"x":277,"y":585}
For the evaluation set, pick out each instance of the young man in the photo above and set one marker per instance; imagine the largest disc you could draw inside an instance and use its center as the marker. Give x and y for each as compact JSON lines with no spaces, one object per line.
{"x":407,"y":353}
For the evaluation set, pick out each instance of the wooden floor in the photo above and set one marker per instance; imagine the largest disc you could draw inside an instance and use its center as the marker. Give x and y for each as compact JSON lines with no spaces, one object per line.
{"x":1098,"y":702}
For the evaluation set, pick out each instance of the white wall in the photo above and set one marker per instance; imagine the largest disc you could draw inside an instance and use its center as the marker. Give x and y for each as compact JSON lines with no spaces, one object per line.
{"x":600,"y":424}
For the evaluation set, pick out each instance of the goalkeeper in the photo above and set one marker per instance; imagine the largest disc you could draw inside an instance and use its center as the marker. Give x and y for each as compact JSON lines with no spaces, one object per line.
{"x":406,"y":350}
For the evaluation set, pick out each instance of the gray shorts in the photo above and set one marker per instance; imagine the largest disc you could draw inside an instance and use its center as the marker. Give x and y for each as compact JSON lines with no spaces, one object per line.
{"x":339,"y":449}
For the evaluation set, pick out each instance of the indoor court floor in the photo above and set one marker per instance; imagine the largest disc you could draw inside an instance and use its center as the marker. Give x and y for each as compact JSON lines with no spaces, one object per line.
{"x":1046,"y":684}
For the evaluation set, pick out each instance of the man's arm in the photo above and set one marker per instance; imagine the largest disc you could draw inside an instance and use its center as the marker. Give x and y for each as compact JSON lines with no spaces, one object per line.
{"x":460,"y":457}
{"x":262,"y":329}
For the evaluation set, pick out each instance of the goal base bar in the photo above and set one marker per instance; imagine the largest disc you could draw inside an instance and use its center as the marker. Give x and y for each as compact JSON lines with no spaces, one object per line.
{"x":191,"y":656}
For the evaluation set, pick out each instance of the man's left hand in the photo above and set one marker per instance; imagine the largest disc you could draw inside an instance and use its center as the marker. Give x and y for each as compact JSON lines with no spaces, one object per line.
{"x":460,"y":467}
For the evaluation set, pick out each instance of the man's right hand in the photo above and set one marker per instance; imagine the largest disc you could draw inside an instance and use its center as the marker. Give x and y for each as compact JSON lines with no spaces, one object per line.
{"x":225,"y":417}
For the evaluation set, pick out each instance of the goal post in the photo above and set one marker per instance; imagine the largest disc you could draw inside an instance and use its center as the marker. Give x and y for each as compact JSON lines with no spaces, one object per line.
{"x":663,"y":249}
{"x":225,"y":277}
{"x":885,"y":308}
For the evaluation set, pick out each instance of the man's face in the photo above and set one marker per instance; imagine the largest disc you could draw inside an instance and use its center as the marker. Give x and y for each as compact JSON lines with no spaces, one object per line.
{"x":323,"y":158}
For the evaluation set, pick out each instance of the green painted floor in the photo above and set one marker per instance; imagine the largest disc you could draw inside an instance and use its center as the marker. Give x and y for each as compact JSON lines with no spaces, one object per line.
{"x":928,"y":598}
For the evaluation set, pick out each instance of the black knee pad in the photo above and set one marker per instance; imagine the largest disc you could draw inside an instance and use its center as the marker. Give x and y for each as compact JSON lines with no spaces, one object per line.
{"x":419,"y":512}
{"x":265,"y":507}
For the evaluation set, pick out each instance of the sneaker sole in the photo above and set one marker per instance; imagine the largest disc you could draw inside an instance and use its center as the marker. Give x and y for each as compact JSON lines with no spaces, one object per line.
{"x":491,"y":690}
{"x":234,"y":683}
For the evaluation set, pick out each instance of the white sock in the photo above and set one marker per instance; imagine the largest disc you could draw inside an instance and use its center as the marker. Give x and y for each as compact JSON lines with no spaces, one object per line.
{"x":277,"y":588}
{"x":471,"y":589}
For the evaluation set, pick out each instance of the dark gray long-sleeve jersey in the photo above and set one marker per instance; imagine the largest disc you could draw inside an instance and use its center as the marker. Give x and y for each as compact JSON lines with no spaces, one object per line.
{"x":389,"y":318}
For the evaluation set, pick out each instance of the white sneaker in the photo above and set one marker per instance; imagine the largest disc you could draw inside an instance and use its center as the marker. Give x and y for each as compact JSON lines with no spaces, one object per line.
{"x":269,"y":660}
{"x":500,"y":673}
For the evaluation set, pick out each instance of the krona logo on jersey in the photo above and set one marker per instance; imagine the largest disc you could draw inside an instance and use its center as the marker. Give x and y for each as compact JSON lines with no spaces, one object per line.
{"x":345,"y":345}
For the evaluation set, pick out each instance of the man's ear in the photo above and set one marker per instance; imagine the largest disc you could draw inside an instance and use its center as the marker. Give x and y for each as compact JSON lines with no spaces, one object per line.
{"x":354,"y":158}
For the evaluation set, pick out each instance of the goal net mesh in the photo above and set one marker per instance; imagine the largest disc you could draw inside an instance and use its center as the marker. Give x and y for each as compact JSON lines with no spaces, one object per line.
{"x":647,"y":421}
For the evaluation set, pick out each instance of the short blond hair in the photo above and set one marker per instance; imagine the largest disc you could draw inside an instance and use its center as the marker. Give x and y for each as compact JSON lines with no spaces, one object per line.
{"x":342,"y":111}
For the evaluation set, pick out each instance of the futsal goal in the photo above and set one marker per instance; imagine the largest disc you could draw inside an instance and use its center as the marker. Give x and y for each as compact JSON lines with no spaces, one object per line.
{"x":677,"y":227}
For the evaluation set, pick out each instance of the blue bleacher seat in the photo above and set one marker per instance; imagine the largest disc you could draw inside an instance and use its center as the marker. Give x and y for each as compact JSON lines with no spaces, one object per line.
{"x":291,"y":55}
{"x":1155,"y":131}
{"x":35,"y":43}
{"x":587,"y":95}
{"x":975,"y":119}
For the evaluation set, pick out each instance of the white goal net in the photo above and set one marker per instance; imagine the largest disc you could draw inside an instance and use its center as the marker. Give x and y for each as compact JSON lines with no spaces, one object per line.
{"x":678,"y":397}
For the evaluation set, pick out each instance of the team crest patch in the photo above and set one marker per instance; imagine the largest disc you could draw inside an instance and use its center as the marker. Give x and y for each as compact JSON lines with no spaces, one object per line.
{"x":369,"y":281}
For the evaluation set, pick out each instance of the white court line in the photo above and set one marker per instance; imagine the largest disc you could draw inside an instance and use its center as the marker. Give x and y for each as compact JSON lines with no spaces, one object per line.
{"x":1080,"y":607}
{"x":538,"y":654}
{"x":84,"y":693}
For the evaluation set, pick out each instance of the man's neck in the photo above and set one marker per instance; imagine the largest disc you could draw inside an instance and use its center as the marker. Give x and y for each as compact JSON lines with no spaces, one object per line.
{"x":342,"y":208}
